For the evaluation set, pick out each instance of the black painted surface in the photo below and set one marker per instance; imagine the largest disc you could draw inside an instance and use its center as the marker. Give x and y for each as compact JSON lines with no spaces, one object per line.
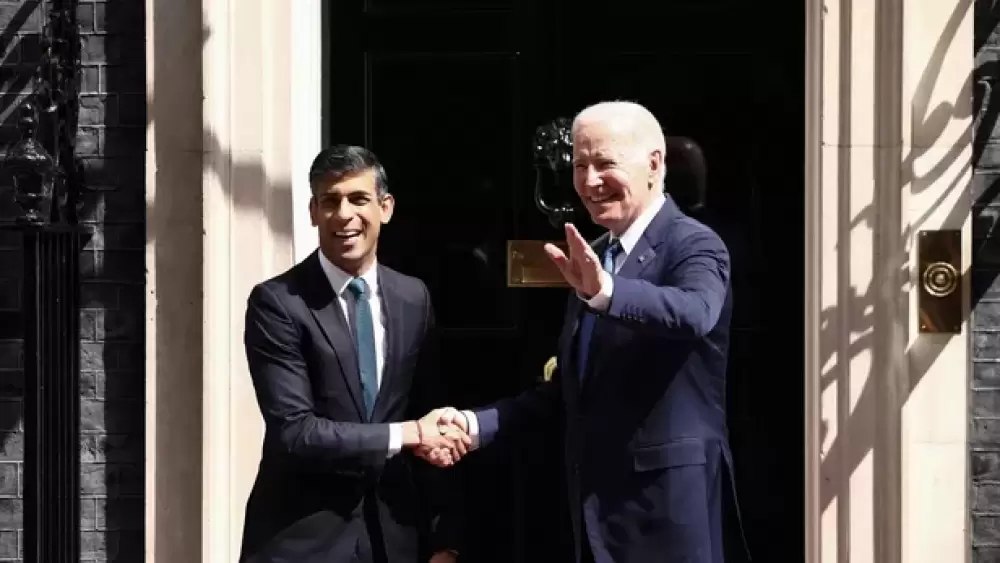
{"x":51,"y":466}
{"x":984,"y":432}
{"x":449,"y":94}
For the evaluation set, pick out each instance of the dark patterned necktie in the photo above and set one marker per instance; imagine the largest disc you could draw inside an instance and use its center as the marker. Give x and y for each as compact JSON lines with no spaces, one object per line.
{"x":364,"y":341}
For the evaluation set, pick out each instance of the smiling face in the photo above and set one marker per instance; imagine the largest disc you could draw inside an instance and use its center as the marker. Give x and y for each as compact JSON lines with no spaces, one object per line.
{"x":349,"y":213}
{"x":613,"y":173}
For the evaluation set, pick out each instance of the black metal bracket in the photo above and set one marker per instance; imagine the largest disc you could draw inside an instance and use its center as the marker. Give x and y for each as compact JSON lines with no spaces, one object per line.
{"x":47,"y":179}
{"x":553,"y":151}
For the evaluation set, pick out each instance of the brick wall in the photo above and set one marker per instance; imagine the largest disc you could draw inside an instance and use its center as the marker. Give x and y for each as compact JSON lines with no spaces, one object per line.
{"x":111,"y":141}
{"x":985,"y":393}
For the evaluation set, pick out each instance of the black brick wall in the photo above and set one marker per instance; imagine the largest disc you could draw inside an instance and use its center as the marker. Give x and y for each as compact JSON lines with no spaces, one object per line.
{"x":985,"y":393}
{"x":111,"y":141}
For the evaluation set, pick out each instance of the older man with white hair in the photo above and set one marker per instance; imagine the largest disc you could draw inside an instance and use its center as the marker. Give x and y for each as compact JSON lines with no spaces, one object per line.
{"x":642,"y":358}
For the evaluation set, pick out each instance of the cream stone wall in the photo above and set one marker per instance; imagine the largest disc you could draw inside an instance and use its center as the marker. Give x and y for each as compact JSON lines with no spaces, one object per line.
{"x":888,"y":156}
{"x":229,"y":115}
{"x":174,"y":265}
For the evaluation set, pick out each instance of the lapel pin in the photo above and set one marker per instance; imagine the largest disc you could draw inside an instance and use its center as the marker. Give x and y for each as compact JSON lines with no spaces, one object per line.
{"x":642,"y":258}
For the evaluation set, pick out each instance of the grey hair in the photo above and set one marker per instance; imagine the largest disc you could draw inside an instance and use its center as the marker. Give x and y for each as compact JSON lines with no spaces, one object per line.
{"x":645,"y":127}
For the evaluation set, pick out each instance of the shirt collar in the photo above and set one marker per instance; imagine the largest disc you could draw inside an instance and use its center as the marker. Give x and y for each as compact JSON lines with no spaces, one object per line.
{"x":339,"y":278}
{"x":631,"y":235}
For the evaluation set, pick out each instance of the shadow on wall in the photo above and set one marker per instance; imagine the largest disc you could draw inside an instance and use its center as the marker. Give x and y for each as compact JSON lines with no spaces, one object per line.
{"x":110,"y":144}
{"x":184,"y":151}
{"x":19,"y":48}
{"x":881,"y":310}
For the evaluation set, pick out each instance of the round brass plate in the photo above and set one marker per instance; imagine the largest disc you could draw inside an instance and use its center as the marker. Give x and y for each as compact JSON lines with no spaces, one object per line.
{"x":940,"y":279}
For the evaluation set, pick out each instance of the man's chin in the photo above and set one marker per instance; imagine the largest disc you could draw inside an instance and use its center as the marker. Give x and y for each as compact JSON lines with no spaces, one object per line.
{"x":608,"y":220}
{"x":349,"y":261}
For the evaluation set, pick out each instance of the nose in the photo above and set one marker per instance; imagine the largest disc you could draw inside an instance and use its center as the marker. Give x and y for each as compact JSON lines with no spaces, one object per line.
{"x":344,"y":211}
{"x":591,"y":178}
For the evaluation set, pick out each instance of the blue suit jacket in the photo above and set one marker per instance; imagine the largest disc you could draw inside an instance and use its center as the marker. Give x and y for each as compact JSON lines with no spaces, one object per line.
{"x":646,"y":438}
{"x":325,"y":489}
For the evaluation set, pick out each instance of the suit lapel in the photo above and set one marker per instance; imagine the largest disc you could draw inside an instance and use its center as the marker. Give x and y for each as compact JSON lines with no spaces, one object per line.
{"x":571,"y":328}
{"x":569,"y":339}
{"x":646,"y":247}
{"x":643,"y":254}
{"x":392,"y":304}
{"x":325,"y":308}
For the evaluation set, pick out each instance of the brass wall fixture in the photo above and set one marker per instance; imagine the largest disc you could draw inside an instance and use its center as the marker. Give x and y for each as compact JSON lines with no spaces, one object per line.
{"x":529,"y":266}
{"x":939,"y":259}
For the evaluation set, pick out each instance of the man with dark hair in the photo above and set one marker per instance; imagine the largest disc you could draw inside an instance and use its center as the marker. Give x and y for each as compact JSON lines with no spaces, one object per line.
{"x":340,"y":349}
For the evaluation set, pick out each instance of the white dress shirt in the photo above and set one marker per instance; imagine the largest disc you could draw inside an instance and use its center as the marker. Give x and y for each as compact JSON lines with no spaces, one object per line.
{"x":338,"y":281}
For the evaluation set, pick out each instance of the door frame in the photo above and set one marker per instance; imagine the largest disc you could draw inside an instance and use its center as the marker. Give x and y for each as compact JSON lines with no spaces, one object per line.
{"x":885,"y":410}
{"x":826,"y":105}
{"x":901,"y":497}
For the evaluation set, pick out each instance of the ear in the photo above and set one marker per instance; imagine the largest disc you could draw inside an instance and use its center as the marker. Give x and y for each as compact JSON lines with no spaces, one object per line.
{"x":388,"y":204}
{"x":313,"y":212}
{"x":656,"y":165}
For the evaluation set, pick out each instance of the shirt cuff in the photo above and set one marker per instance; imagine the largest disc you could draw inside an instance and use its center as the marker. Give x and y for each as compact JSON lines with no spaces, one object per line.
{"x":470,"y":417}
{"x":395,"y":438}
{"x":602,"y":299}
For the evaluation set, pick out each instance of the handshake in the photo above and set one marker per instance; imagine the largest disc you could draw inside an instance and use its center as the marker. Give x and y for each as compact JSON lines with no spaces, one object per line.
{"x":441,"y":437}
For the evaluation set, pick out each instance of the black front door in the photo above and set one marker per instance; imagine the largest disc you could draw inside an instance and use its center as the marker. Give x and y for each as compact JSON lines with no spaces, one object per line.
{"x":448,"y":93}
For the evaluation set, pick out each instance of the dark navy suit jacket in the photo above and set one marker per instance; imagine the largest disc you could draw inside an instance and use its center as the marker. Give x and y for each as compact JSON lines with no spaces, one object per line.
{"x":325,"y":490}
{"x":646,"y":439}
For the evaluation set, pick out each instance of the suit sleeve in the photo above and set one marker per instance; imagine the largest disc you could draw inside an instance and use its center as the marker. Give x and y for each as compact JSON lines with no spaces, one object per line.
{"x":284,"y":393}
{"x":691,"y":306}
{"x":534,"y":408}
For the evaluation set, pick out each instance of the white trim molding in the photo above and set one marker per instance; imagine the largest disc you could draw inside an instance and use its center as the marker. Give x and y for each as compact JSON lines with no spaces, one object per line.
{"x":888,"y":144}
{"x":813,"y":211}
{"x":248,"y":233}
{"x":174,"y":261}
{"x":307,"y":114}
{"x":219,"y":199}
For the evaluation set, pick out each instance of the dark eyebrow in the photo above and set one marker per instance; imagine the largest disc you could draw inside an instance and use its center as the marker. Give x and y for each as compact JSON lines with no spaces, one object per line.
{"x":353,"y":193}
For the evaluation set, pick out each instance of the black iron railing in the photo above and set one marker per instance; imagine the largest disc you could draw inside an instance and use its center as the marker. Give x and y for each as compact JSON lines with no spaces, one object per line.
{"x":47,"y":182}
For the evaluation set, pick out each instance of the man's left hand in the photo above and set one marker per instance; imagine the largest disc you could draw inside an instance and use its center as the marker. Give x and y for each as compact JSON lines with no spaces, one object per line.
{"x":444,"y":557}
{"x":581,"y":268}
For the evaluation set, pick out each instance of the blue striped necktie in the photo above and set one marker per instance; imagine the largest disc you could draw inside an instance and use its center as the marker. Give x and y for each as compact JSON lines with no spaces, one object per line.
{"x":364,"y":341}
{"x":589,"y":318}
